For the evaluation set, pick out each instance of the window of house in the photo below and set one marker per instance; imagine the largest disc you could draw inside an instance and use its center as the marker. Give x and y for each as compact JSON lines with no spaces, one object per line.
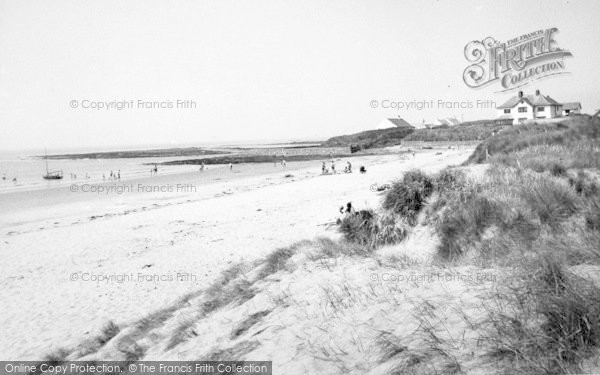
{"x":522,"y":109}
{"x":540,"y":109}
{"x":507,"y":110}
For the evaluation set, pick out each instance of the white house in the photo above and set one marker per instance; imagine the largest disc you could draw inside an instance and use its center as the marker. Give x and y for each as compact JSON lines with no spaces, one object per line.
{"x":450,"y":121}
{"x":530,"y":107}
{"x":393,"y":123}
{"x":570,"y":108}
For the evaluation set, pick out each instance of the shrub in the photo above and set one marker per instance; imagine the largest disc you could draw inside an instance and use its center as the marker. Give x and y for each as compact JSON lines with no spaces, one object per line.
{"x":407,"y":197}
{"x":420,"y":179}
{"x":405,"y":200}
{"x":358,"y":228}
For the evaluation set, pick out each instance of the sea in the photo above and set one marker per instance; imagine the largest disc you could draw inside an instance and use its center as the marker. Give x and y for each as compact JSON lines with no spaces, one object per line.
{"x":23,"y":170}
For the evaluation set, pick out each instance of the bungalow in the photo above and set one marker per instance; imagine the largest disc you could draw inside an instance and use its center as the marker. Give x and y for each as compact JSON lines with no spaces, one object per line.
{"x":570,"y":108}
{"x":522,"y":108}
{"x":393,"y":123}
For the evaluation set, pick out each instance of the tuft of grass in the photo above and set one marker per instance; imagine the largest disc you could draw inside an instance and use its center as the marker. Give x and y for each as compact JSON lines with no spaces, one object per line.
{"x":420,"y":179}
{"x":463,"y":223}
{"x":108,"y":331}
{"x":277,"y":260}
{"x":248,"y":323}
{"x":327,"y":249}
{"x":546,"y":320}
{"x":407,"y":197}
{"x":388,"y":230}
{"x":371,"y":230}
{"x":552,"y":201}
{"x":584,"y":185}
{"x":592,"y":215}
{"x":449,"y":179}
{"x":358,"y":228}
{"x":56,"y":357}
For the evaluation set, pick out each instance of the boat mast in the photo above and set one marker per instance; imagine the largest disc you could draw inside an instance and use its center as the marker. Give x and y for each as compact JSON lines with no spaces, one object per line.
{"x":46,"y":154}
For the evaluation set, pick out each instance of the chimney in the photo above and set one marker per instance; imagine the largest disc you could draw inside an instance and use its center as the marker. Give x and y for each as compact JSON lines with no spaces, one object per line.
{"x":537,"y":92}
{"x":520,"y":94}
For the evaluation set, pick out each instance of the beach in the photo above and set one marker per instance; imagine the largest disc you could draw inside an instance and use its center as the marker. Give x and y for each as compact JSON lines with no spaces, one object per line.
{"x":73,"y":259}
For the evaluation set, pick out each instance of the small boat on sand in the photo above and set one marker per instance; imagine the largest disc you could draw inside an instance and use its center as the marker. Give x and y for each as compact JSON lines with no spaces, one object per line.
{"x":51,"y":175}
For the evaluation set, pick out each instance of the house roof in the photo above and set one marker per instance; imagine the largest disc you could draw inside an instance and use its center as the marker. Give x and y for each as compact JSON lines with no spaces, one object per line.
{"x":533,"y":100}
{"x":399,"y":122}
{"x":571,"y":106}
{"x":448,"y":121}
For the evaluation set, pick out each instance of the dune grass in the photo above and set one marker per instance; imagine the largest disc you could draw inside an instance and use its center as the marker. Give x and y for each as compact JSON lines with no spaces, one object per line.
{"x":407,"y":197}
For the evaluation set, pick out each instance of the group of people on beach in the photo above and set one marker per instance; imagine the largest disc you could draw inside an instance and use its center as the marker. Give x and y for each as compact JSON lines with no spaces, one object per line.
{"x":113,"y":176}
{"x":14,"y":180}
{"x":325,"y":170}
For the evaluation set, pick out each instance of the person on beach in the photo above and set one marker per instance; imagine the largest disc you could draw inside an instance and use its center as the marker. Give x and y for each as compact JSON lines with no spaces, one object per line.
{"x":348,"y":168}
{"x":119,"y":175}
{"x":3,"y":177}
{"x":202,"y":167}
{"x":323,"y":168}
{"x":283,"y":163}
{"x":332,"y":167}
{"x":14,"y":180}
{"x":230,"y":166}
{"x":155,"y":169}
{"x":348,"y":210}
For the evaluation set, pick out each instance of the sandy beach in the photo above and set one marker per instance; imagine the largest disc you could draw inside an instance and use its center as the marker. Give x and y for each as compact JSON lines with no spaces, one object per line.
{"x":119,"y":257}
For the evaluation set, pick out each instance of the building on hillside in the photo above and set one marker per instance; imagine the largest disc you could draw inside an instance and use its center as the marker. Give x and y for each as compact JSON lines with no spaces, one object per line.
{"x":393,"y":123}
{"x":449,"y":121}
{"x":521,"y":108}
{"x":571,"y":108}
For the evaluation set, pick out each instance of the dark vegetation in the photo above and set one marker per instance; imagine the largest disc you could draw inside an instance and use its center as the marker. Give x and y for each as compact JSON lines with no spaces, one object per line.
{"x":371,"y":138}
{"x":455,"y":133}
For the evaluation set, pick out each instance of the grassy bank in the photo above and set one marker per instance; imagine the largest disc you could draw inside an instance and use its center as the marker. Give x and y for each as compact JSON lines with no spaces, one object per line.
{"x":455,"y":133}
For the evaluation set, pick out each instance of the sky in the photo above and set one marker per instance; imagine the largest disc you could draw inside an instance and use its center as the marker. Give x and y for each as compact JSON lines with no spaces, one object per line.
{"x":259,"y":70}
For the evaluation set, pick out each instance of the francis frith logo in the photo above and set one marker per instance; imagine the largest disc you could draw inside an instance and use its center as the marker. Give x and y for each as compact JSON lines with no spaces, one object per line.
{"x":516,"y":62}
